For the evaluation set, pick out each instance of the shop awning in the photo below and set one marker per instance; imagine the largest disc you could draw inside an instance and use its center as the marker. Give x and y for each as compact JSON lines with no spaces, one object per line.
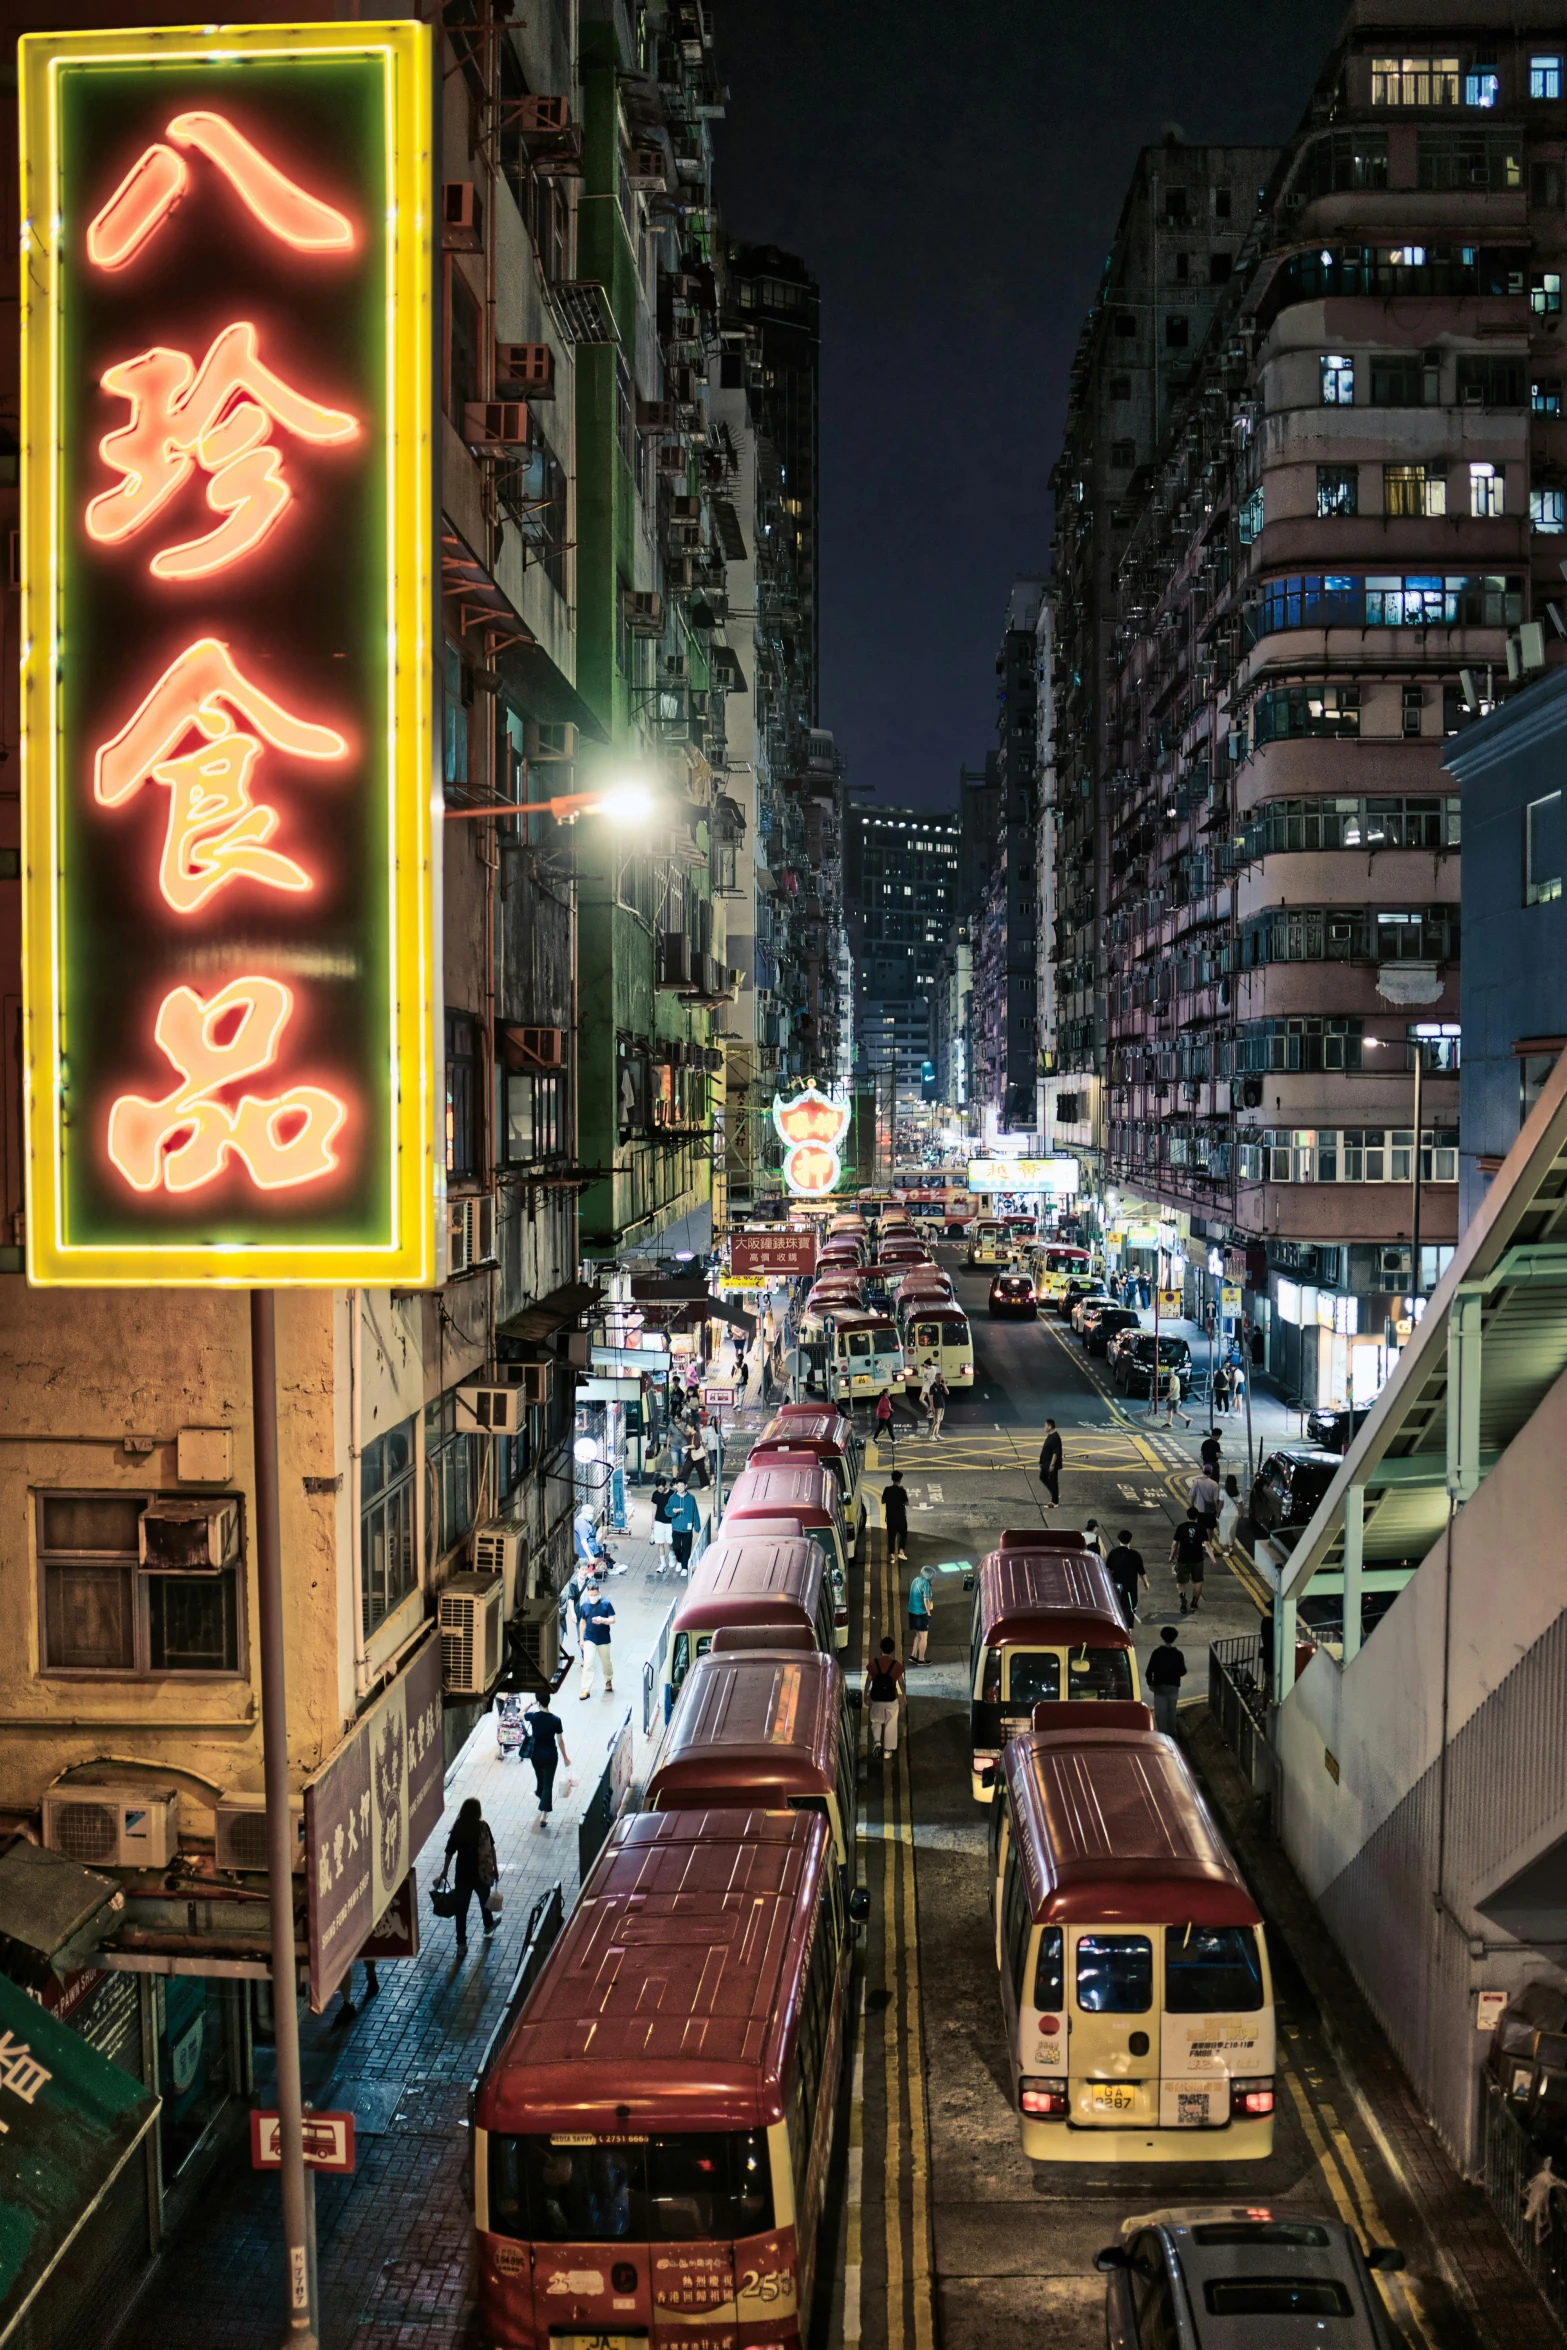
{"x":538,"y":1322}
{"x":712,"y":1309}
{"x":69,"y":2122}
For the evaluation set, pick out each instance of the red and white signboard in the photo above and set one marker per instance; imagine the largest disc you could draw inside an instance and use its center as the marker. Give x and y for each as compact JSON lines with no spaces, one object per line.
{"x":788,"y":1254}
{"x":329,"y":2141}
{"x":719,"y":1398}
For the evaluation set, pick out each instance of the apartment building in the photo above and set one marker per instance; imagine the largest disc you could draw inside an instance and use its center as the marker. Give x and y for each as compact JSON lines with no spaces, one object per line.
{"x":900,"y":883}
{"x":1337,"y":558}
{"x":1006,"y":977}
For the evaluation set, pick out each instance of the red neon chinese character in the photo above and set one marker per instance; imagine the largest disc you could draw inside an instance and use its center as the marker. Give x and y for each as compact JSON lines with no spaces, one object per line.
{"x":158,"y":179}
{"x":218,"y":417}
{"x":186,"y":1139}
{"x":215,"y":833}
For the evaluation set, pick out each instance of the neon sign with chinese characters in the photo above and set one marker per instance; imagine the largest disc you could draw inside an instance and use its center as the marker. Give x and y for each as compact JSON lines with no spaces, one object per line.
{"x":226,"y":682}
{"x":812,"y":1124}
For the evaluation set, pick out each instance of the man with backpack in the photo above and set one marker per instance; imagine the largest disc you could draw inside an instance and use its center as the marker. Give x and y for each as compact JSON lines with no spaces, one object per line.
{"x":884,"y":1693}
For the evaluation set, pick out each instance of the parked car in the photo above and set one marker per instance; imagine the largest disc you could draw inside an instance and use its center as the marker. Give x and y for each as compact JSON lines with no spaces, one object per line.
{"x":1013,"y":1293}
{"x":1289,"y":1485}
{"x":1105,"y":1323}
{"x":1331,"y":1426}
{"x":1131,"y":1360}
{"x":1249,"y":2277}
{"x":1089,"y":1303}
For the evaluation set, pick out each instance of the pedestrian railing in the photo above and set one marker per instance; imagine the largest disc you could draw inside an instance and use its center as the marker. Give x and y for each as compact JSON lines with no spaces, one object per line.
{"x":607,"y":1798}
{"x":1527,"y":2197}
{"x":540,"y":1936}
{"x":1237,"y":1700}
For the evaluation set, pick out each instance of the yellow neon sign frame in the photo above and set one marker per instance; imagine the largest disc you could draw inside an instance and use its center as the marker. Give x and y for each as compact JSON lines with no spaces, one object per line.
{"x":411,"y":1171}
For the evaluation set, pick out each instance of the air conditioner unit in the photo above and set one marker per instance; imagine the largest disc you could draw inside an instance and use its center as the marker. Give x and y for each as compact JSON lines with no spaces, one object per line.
{"x":672,"y":458}
{"x":462,"y":217}
{"x":240,"y":1831}
{"x":113,"y":1827}
{"x":545,"y":1048}
{"x":655,"y":416}
{"x":499,"y":1549}
{"x":532,"y":1380}
{"x":644,"y":611}
{"x":675,"y":668}
{"x":526,"y":370}
{"x":1395,"y":1264}
{"x":674,"y":959}
{"x":646,"y":168}
{"x":471,"y":1620}
{"x":495,"y":424}
{"x":490,"y":1411}
{"x":535,"y":115}
{"x":540,"y":1623}
{"x":685,"y":509}
{"x":472,"y":1232}
{"x":186,"y":1535}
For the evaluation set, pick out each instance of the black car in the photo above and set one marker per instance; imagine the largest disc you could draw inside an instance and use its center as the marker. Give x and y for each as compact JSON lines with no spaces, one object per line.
{"x":1013,"y":1293}
{"x":1104,"y":1324}
{"x":1332,"y":1426}
{"x":1131,"y":1364}
{"x":1289,"y":1486}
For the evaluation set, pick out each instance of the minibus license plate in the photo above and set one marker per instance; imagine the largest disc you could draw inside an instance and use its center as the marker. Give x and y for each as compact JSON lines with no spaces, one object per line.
{"x":1113,"y":2097}
{"x":597,"y":2342}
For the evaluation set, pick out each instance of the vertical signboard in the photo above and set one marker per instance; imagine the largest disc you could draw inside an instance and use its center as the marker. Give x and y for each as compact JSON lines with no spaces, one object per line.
{"x":226,"y":542}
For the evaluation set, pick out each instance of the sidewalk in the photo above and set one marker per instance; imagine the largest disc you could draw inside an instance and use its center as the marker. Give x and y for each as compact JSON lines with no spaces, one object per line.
{"x":395,"y":2239}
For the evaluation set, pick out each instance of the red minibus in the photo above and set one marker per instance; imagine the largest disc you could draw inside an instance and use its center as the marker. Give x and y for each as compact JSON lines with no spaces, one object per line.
{"x":651,"y":2139}
{"x":1046,"y":1626}
{"x":803,"y":1489}
{"x":761,"y":1729}
{"x":764,"y":1573}
{"x":808,"y":1428}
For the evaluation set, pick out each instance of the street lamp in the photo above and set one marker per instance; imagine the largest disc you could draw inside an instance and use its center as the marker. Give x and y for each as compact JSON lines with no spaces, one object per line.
{"x":626,"y":802}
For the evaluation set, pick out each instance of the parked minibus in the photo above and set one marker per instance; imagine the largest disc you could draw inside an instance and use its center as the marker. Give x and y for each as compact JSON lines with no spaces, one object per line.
{"x":1134,"y":1969}
{"x":1046,"y":1625}
{"x":864,"y":1354}
{"x":987,"y":1241}
{"x":939,"y":1333}
{"x":761,"y":1730}
{"x":1056,"y":1268}
{"x":804,"y":1427}
{"x":751,"y":1581}
{"x":802,"y":1487}
{"x":847,"y":1248}
{"x":651,"y":2137}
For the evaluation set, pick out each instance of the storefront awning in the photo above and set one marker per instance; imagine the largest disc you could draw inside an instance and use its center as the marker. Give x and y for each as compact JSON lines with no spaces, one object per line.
{"x":69,"y":2122}
{"x":538,"y":1322}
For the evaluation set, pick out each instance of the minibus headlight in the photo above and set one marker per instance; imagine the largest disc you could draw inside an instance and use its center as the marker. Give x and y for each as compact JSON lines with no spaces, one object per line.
{"x":1043,"y":2100}
{"x":1251,"y":2099}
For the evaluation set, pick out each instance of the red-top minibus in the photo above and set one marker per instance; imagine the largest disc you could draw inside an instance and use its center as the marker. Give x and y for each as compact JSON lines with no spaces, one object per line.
{"x":1046,"y":1625}
{"x":651,"y":2137}
{"x":762,"y":1573}
{"x":761,"y":1728}
{"x":804,"y":1489}
{"x":814,"y":1429}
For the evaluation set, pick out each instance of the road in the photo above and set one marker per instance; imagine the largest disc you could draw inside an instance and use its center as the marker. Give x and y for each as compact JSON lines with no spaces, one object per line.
{"x":949,"y":2234}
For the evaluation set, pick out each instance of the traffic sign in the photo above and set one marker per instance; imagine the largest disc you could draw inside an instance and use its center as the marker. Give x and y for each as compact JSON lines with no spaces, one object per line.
{"x":329,"y":2141}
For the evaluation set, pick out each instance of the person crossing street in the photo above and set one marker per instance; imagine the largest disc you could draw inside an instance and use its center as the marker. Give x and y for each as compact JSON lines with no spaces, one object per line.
{"x":1051,"y":1460}
{"x":895,"y":1516}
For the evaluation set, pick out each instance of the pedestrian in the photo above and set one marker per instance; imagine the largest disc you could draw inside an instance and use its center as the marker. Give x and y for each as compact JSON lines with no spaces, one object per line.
{"x":927,"y":1382}
{"x":884,"y":1693}
{"x":347,"y":2010}
{"x":1206,"y":1498}
{"x":1229,"y":1514}
{"x":1188,"y":1550}
{"x":1051,"y":1463}
{"x":472,"y":1847}
{"x":1172,"y":1398}
{"x":1210,"y":1450}
{"x":1092,"y":1538}
{"x":546,"y":1735}
{"x":571,"y":1607}
{"x":1221,"y":1387}
{"x":1237,"y":1387}
{"x":895,"y":1516}
{"x":940,"y":1397}
{"x":922,"y":1606}
{"x":663,"y":1540}
{"x":1127,"y":1573}
{"x":699,"y":1470}
{"x":1164,"y":1673}
{"x":685,"y":1523}
{"x":584,"y":1533}
{"x":886,"y":1430}
{"x":596,"y":1617}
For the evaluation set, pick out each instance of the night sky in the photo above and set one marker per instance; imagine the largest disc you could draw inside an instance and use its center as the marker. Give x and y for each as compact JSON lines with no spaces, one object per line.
{"x":952,"y":171}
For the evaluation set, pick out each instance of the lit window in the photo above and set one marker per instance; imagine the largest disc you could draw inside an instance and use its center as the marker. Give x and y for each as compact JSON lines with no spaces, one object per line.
{"x":1546,"y":398}
{"x":1413,"y":489}
{"x":1542,"y":856}
{"x":1338,"y":381}
{"x":1486,"y":491}
{"x":1548,"y":510}
{"x":1482,"y":87}
{"x":1414,"y":81}
{"x":1545,"y":293}
{"x":1545,"y":77}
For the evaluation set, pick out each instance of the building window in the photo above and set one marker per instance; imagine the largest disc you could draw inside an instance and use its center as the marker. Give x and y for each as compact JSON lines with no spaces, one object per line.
{"x":1545,"y":77}
{"x":1438,"y":1043}
{"x":1533,"y":1071}
{"x":1469,"y":159}
{"x":1405,"y":379}
{"x":1338,"y":381}
{"x":1348,"y":1154}
{"x":1292,"y":711}
{"x":1545,"y":397}
{"x":388,"y":1565}
{"x":534,"y":1116}
{"x":1413,"y":489}
{"x":1183,"y":269}
{"x":1220,"y":264}
{"x":1545,"y":293}
{"x":1338,"y":490}
{"x":1482,"y":86}
{"x":1547,"y":510}
{"x":1176,"y":330}
{"x":455,"y":701}
{"x":1175,"y":203}
{"x":454,"y":1478}
{"x":1248,"y":519}
{"x":1125,"y":324}
{"x":1545,"y":186}
{"x":1414,"y":81}
{"x":1486,"y":491}
{"x":1120,"y":387}
{"x":1542,"y":850}
{"x":1123,"y":455}
{"x":462,"y":1096}
{"x":1485,"y":381}
{"x":1277,"y":827}
{"x":104,"y":1612}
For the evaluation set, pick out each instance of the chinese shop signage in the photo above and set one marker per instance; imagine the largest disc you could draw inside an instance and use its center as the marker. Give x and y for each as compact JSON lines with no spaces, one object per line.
{"x":226,"y":655}
{"x":812,"y":1125}
{"x":760,"y":1253}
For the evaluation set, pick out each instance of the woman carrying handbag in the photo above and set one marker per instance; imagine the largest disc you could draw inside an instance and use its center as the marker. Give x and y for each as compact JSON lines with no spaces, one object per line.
{"x":472,"y":1846}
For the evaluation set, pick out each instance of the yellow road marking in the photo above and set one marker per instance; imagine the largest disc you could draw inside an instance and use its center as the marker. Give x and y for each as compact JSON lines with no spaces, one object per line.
{"x":913,"y":2040}
{"x":892,"y":2208}
{"x":1350,"y":2189}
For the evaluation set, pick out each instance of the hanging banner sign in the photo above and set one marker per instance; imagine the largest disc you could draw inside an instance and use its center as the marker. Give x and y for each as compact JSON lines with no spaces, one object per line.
{"x":790,"y":1254}
{"x":226,"y":672}
{"x":1055,"y":1178}
{"x":812,"y":1125}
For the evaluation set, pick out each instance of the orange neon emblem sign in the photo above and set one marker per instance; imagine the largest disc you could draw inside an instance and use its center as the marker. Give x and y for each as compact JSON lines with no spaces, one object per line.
{"x":158,"y":179}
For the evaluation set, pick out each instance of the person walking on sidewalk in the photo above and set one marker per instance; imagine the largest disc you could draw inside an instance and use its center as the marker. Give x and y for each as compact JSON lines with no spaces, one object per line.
{"x":886,"y":1428}
{"x":472,"y":1847}
{"x":895,"y":1516}
{"x":922,"y":1606}
{"x":1189,"y":1550}
{"x":663,"y":1538}
{"x":1206,"y":1498}
{"x":597,"y":1618}
{"x":1210,"y":1449}
{"x":1127,"y":1573}
{"x":884,"y":1693}
{"x":1172,"y":1398}
{"x":1050,"y":1463}
{"x":685,"y":1524}
{"x":1221,"y":1387}
{"x":546,"y":1748}
{"x":1164,"y":1673}
{"x":936,"y":1404}
{"x":1229,"y":1516}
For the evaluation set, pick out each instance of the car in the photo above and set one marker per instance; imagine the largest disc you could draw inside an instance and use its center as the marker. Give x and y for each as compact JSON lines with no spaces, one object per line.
{"x":1131,"y":1360}
{"x":1106,"y":1323}
{"x":1089,"y":1303}
{"x":1289,"y":1485}
{"x":1331,"y":1426}
{"x":1239,"y":2275}
{"x":1013,"y":1293}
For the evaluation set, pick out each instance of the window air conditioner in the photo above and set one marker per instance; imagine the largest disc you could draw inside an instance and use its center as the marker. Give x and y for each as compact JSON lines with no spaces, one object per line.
{"x":240,"y":1831}
{"x":471,"y":1617}
{"x":499,"y":1549}
{"x":674,"y":959}
{"x":184,"y":1535}
{"x":676,"y":668}
{"x":672,"y":458}
{"x":462,"y":217}
{"x":495,"y":424}
{"x":531,"y":1380}
{"x":536,"y":115}
{"x":645,"y":167}
{"x":525,"y":370}
{"x":544,"y":1047}
{"x":655,"y":416}
{"x":683,"y":508}
{"x":490,"y":1411}
{"x":540,"y":1621}
{"x":472,"y":1232}
{"x":644,"y":611}
{"x":558,"y":741}
{"x":116,"y":1827}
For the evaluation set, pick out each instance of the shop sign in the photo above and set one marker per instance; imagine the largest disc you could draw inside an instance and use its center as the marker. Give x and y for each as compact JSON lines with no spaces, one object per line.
{"x":720,"y":1398}
{"x":1142,"y":1236}
{"x":789,"y":1254}
{"x":226,"y":709}
{"x":1230,"y":1298}
{"x":366,"y":1815}
{"x":1055,"y":1177}
{"x":1235,"y":1266}
{"x":812,"y":1124}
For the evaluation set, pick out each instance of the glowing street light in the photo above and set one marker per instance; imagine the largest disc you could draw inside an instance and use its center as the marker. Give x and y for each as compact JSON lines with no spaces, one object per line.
{"x":627,"y":802}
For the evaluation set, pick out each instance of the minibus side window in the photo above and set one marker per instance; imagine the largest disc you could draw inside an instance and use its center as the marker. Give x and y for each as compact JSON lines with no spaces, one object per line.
{"x":1211,"y":1970}
{"x":998,"y":1816}
{"x":990,"y":1687}
{"x":815,"y":1803}
{"x":1016,"y":1920}
{"x":680,"y":1663}
{"x":1049,"y":1978}
{"x":846,"y":1793}
{"x":1035,"y":1675}
{"x":1114,"y":1974}
{"x":1098,"y":1672}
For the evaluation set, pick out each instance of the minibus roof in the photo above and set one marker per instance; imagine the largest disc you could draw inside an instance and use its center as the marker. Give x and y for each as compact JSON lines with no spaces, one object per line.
{"x":751,"y":1728}
{"x":1112,"y":1831}
{"x":805,"y":1431}
{"x":1057,"y":1599}
{"x":864,"y":1318}
{"x":1040,"y":1538}
{"x":671,"y":1999}
{"x":753,"y":1578}
{"x":781,"y":1486}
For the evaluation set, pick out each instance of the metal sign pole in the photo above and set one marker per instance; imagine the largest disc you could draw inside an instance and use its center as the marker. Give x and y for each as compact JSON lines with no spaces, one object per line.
{"x":297,"y":2245}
